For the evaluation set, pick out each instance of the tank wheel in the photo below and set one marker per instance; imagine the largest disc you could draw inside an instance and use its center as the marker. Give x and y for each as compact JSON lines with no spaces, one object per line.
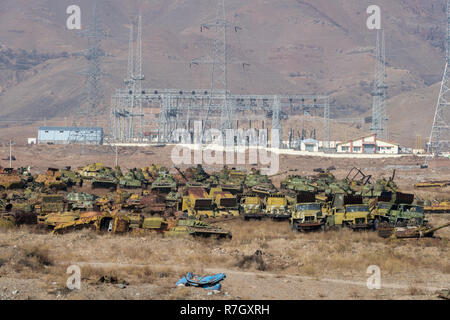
{"x":413,"y":222}
{"x":294,"y":226}
{"x":384,"y":230}
{"x":401,"y":223}
{"x":376,"y":224}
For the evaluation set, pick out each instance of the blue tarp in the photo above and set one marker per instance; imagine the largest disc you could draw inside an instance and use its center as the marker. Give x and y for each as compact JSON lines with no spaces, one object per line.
{"x":207,"y":282}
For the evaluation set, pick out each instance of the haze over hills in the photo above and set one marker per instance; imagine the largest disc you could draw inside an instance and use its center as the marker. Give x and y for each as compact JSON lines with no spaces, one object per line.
{"x":292,"y":46}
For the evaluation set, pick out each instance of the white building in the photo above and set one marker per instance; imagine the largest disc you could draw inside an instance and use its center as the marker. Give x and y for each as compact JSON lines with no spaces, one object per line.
{"x":368,"y":145}
{"x":309,"y":145}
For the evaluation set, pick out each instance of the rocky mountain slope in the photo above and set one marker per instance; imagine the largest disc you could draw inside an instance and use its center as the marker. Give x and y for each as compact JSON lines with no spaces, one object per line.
{"x":292,"y":46}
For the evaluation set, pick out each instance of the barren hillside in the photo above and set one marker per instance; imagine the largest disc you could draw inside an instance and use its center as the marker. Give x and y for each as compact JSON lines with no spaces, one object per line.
{"x":295,"y":46}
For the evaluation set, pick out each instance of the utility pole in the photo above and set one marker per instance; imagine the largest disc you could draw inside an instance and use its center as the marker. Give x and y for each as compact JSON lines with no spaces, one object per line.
{"x":10,"y":154}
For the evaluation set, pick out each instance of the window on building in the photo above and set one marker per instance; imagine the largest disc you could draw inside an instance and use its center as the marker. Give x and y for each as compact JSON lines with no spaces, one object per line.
{"x":345,"y":149}
{"x":46,"y":131}
{"x":357,"y":149}
{"x":61,"y":131}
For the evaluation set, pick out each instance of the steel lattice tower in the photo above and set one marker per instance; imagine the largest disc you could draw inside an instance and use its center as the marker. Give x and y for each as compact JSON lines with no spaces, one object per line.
{"x":93,"y":73}
{"x":379,"y":116}
{"x":440,"y":133}
{"x":139,"y":77}
{"x":219,"y":62}
{"x":276,"y":121}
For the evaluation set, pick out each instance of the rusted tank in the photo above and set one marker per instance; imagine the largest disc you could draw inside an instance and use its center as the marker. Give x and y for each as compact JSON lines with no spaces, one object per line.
{"x":10,"y":179}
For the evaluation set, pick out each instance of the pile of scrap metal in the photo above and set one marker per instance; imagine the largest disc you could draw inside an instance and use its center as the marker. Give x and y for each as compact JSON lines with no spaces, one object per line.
{"x":118,"y":222}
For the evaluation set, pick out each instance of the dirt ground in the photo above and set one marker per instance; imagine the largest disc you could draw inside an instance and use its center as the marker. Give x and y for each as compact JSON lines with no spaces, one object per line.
{"x":264,"y":260}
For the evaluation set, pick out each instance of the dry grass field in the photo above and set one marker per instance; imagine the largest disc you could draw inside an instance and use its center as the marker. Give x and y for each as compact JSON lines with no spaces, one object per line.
{"x":264,"y":260}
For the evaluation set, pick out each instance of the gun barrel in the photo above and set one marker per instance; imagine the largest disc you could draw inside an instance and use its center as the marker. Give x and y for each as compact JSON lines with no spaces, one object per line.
{"x":437,"y":228}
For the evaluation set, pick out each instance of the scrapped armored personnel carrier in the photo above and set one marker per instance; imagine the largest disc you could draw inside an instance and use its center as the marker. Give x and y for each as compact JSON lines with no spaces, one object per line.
{"x":252,"y":207}
{"x":80,"y":201}
{"x":276,"y":207}
{"x":97,"y":221}
{"x":349,"y":211}
{"x":51,"y":220}
{"x":198,"y":204}
{"x":154,"y":204}
{"x":226,"y":204}
{"x":307,"y":214}
{"x":50,"y":203}
{"x":10,"y":179}
{"x":196,"y":228}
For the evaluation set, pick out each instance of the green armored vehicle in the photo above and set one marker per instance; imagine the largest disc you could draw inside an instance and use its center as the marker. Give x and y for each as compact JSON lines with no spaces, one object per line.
{"x":297,"y":183}
{"x":80,"y":201}
{"x":71,"y":178}
{"x":231,"y":180}
{"x":133,"y":179}
{"x":193,"y":177}
{"x":99,"y":175}
{"x":164,"y":183}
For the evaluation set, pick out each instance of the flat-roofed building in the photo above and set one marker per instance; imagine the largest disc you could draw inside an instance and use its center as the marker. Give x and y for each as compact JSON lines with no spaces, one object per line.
{"x":70,"y":135}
